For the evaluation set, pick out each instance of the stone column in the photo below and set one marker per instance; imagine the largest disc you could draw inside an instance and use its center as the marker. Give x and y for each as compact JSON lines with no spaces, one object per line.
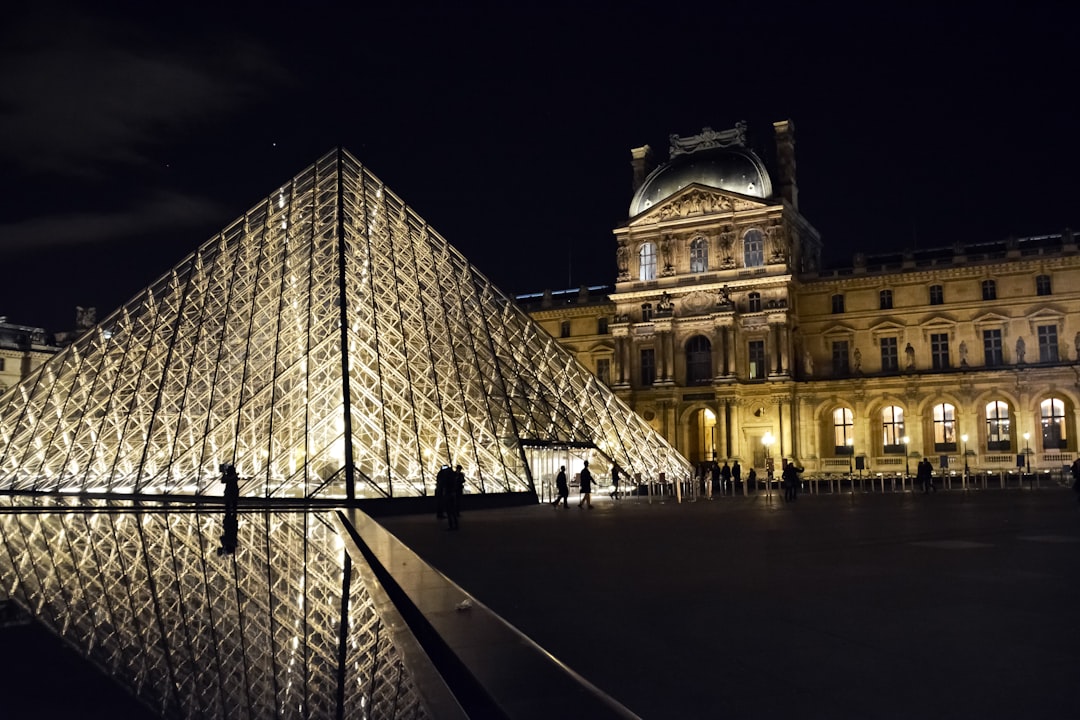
{"x":771,"y":355}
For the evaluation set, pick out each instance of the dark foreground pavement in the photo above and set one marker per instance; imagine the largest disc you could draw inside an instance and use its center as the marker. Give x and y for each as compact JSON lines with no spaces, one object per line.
{"x":955,"y":605}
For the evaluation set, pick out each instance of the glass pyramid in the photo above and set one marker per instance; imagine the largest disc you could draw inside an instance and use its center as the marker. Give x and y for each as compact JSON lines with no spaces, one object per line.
{"x":333,"y":347}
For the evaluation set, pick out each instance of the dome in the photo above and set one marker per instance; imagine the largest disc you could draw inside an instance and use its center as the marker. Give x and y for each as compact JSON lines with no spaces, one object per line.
{"x":737,"y":170}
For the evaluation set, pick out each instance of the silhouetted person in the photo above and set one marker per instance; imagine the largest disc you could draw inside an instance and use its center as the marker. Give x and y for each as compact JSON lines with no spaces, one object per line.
{"x":453,"y":498}
{"x":790,"y":477}
{"x":586,"y":486}
{"x":614,"y":482}
{"x":562,"y":488}
{"x":725,"y":477}
{"x":231,"y":524}
{"x":925,"y":476}
{"x":715,"y":478}
{"x":442,"y":489}
{"x":751,"y":479}
{"x":736,"y":475}
{"x":1075,"y":469}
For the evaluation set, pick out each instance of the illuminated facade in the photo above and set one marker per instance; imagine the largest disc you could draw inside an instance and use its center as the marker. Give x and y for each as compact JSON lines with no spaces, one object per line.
{"x":723,"y":330}
{"x":333,"y":347}
{"x":23,"y":349}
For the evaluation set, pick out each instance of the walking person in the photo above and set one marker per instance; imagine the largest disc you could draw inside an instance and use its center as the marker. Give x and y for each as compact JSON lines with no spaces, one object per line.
{"x":453,"y":498}
{"x":586,"y":486}
{"x":790,"y":477}
{"x":562,"y":488}
{"x":925,"y":476}
{"x":442,"y":485}
{"x":614,"y":481}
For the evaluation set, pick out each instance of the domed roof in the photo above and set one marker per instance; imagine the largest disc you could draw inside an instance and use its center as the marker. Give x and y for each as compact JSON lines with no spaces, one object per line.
{"x":735,"y":169}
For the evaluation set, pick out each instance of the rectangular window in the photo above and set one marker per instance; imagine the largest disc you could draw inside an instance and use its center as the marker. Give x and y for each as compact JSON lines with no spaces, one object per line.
{"x":1042,"y":285}
{"x":992,"y":348}
{"x":603,"y":371}
{"x":646,"y":312}
{"x":837,"y":304}
{"x":1,"y":364}
{"x":890,"y":357}
{"x":939,"y":351}
{"x":885,"y":300}
{"x":1048,"y":343}
{"x":756,"y":353}
{"x":648,"y":366}
{"x":989,"y":290}
{"x":840,"y":363}
{"x":564,"y":329}
{"x":937,"y":295}
{"x":601,"y":326}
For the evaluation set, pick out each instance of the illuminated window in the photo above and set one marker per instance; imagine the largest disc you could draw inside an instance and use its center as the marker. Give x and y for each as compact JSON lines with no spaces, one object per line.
{"x":989,"y":290}
{"x":1053,"y":424}
{"x":753,"y":248}
{"x":937,"y":295}
{"x":699,"y":255}
{"x":944,"y":427}
{"x":1042,"y":284}
{"x":753,"y":301}
{"x":997,"y":426}
{"x":756,"y":356}
{"x":648,"y":366}
{"x":1048,"y":343}
{"x":698,"y":361}
{"x":992,"y":353}
{"x":885,"y":300}
{"x":843,"y":430}
{"x":837,"y":304}
{"x":890,"y":355}
{"x":647,"y":262}
{"x":939,"y":350}
{"x":603,"y":371}
{"x":840,"y":363}
{"x":892,"y":423}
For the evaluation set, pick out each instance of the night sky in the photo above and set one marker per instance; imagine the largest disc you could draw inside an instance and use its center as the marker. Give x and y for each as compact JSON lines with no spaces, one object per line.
{"x":128,"y":138}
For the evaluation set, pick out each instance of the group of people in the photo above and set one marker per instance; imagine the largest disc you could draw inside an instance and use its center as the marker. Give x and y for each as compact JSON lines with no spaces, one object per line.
{"x":449,"y":487}
{"x":724,"y":478}
{"x":924,"y":475}
{"x":585,"y":480}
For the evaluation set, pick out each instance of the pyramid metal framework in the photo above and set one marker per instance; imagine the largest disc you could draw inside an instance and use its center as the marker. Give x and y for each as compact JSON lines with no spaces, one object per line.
{"x":335,"y":348}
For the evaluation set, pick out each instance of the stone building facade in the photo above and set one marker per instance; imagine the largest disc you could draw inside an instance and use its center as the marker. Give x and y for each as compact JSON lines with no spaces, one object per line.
{"x":23,"y":349}
{"x":727,"y":335}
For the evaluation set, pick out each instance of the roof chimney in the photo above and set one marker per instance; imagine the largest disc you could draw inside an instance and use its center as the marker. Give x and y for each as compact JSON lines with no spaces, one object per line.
{"x":785,"y":160}
{"x":642,"y":163}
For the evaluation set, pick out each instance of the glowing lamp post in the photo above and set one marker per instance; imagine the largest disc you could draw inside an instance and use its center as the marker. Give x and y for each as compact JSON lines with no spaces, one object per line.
{"x":963,"y":447}
{"x":907,"y":463}
{"x":850,"y":462}
{"x":767,"y":440}
{"x":1027,"y":454}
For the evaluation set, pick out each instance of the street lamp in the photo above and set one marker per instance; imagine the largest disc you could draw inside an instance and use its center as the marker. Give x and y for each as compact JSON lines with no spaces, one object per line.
{"x":767,"y":440}
{"x":963,"y":447}
{"x":907,"y":465}
{"x":1027,"y":453}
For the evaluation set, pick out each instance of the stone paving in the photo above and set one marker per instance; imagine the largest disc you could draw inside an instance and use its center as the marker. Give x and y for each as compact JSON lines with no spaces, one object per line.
{"x":864,"y":605}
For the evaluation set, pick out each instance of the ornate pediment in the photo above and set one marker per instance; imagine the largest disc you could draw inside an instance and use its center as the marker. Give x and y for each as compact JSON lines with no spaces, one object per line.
{"x":698,"y":200}
{"x":699,"y":302}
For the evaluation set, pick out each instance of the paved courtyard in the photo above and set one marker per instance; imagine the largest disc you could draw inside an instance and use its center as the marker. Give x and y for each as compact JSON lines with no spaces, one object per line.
{"x":955,"y":605}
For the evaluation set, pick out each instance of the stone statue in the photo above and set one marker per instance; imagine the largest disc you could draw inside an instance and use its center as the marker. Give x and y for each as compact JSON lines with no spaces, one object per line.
{"x":623,"y":258}
{"x":1077,"y":343}
{"x":858,"y":361}
{"x":808,"y":363}
{"x":1020,"y":350}
{"x":909,"y":353}
{"x":963,"y":353}
{"x":667,"y":249}
{"x":665,"y":303}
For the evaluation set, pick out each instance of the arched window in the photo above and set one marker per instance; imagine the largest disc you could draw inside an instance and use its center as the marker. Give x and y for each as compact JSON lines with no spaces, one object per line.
{"x":998,"y":435}
{"x":647,"y":261}
{"x":944,"y":427}
{"x":892,"y":423}
{"x":1053,"y":424}
{"x":753,"y":248}
{"x":699,"y":255}
{"x":843,"y":431}
{"x":698,"y":361}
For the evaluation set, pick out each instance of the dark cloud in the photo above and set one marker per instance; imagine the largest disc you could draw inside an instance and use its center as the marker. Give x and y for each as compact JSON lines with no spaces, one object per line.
{"x":78,"y":91}
{"x":164,"y":211}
